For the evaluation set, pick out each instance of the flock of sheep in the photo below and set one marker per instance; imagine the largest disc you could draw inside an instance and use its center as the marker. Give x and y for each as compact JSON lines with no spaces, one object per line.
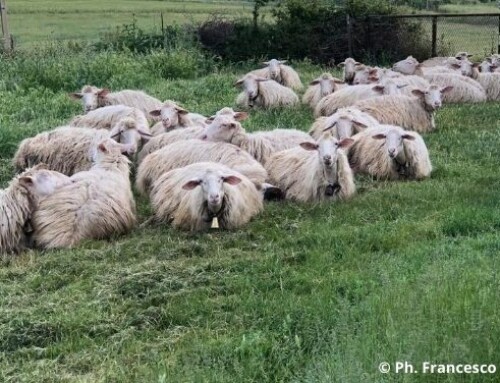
{"x":198,"y":172}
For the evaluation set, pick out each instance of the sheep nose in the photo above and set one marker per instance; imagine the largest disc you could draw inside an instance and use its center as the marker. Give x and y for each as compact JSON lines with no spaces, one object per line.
{"x":392,"y":153}
{"x":214,"y":198}
{"x":437,"y":104}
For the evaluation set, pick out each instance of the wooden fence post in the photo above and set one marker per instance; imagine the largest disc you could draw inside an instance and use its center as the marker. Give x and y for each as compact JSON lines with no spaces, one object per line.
{"x":7,"y":40}
{"x":349,"y":35}
{"x":434,"y":36}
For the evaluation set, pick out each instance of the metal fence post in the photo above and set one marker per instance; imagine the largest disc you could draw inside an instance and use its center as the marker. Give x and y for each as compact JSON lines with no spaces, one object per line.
{"x":7,"y":39}
{"x":349,"y":35}
{"x":434,"y":36}
{"x":498,"y":49}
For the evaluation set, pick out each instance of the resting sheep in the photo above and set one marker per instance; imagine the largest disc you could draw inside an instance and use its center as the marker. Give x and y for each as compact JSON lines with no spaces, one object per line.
{"x":70,"y":150}
{"x":343,"y":123}
{"x":180,"y":154}
{"x":97,"y":204}
{"x":314,"y":172}
{"x":93,"y":98}
{"x":193,"y":196}
{"x":264,"y":93}
{"x":413,"y":113}
{"x":390,"y":152}
{"x":172,"y":116}
{"x":321,"y":87}
{"x":349,"y":65}
{"x":18,"y":202}
{"x":282,"y":74}
{"x":490,"y":82}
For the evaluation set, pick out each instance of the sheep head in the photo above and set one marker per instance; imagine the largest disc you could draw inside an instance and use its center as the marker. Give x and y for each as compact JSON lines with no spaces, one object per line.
{"x":432,"y":97}
{"x":170,"y":114}
{"x":394,"y":143}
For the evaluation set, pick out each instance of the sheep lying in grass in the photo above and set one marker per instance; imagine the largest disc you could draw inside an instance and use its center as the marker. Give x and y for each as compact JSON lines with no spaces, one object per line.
{"x":441,"y":61}
{"x":70,"y":150}
{"x":390,"y":152}
{"x":97,"y":204}
{"x":108,"y":116}
{"x":413,"y":113}
{"x":343,"y":123}
{"x":349,"y":65}
{"x":321,"y":87}
{"x":282,"y":74}
{"x":18,"y":202}
{"x":490,"y":82}
{"x":314,"y":171}
{"x":172,"y":116}
{"x":93,"y":98}
{"x":187,"y":152}
{"x":192,"y":196}
{"x":348,"y":96}
{"x":464,"y":89}
{"x":260,"y":145}
{"x":411,"y":66}
{"x":264,"y":93}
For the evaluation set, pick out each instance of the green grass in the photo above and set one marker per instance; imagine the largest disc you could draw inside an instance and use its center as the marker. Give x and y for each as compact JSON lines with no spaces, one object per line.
{"x":304,"y":293}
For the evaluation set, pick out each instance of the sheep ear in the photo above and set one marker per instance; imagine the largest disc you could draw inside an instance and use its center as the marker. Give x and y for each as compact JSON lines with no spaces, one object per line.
{"x":327,"y":128}
{"x":190,"y":185}
{"x":103,"y":92}
{"x":265,"y":62}
{"x":76,"y":96}
{"x":337,"y":81}
{"x":282,"y":61}
{"x":489,"y":59}
{"x":27,"y":181}
{"x":345,"y":143}
{"x":379,"y":88}
{"x":155,"y":113}
{"x":379,"y":136}
{"x":408,"y":137}
{"x":240,"y":116}
{"x":446,"y":89}
{"x":144,"y":135}
{"x":102,"y":148}
{"x":181,"y":111}
{"x":469,"y":55}
{"x":231,"y":180}
{"x":372,"y":71}
{"x":309,"y":146}
{"x":238,"y":82}
{"x":418,"y":92}
{"x":359,"y":124}
{"x":402,"y":86}
{"x":314,"y":82}
{"x":209,"y":120}
{"x":341,"y":65}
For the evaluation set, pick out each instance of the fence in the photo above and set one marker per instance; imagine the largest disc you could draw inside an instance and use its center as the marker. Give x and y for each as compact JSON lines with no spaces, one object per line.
{"x":428,"y":35}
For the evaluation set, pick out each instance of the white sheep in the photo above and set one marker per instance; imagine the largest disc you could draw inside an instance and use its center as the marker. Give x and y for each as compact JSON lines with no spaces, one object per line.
{"x":98,"y":203}
{"x":349,"y":65}
{"x":343,"y":123}
{"x":18,"y":202}
{"x":390,"y":152}
{"x":93,"y":98}
{"x":314,"y":171}
{"x":172,"y":116}
{"x":70,"y":150}
{"x":413,"y":113}
{"x":321,"y":87}
{"x":411,"y":66}
{"x":283,"y":74}
{"x":350,"y":95}
{"x":261,"y":92}
{"x":490,"y":82}
{"x":260,"y":145}
{"x":464,"y":89}
{"x":441,"y":61}
{"x":183,"y":153}
{"x":191,"y":197}
{"x":108,"y":116}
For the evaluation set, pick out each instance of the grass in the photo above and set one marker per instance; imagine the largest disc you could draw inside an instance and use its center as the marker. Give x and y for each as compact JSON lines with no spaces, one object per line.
{"x":304,"y":293}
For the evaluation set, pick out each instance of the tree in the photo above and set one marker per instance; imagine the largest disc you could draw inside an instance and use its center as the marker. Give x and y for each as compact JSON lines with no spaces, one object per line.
{"x":256,"y":8}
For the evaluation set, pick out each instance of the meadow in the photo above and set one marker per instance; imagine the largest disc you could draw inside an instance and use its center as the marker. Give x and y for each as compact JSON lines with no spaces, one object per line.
{"x":405,"y":271}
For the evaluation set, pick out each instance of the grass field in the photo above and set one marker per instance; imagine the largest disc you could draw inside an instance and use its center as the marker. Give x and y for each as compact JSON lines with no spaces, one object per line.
{"x":406,"y":271}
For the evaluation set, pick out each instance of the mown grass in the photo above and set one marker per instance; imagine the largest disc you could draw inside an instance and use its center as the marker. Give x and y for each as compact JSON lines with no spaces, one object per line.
{"x":304,"y":293}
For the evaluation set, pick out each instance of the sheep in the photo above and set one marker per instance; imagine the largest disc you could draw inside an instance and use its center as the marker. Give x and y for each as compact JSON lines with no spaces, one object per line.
{"x":97,"y":204}
{"x":192,"y":197}
{"x":320,"y":87}
{"x":18,"y":202}
{"x":260,"y":145}
{"x":321,"y":172}
{"x":282,"y":74}
{"x":490,"y":82}
{"x":464,"y":89}
{"x":413,"y":113}
{"x":93,"y":98}
{"x":172,"y":116}
{"x":343,"y":123}
{"x":158,"y":142}
{"x":411,"y":66}
{"x":184,"y":153}
{"x":441,"y":61}
{"x":108,"y":116}
{"x":349,"y":65}
{"x":401,"y":155}
{"x":486,"y":66}
{"x":261,"y":92}
{"x":70,"y":150}
{"x":350,"y":95}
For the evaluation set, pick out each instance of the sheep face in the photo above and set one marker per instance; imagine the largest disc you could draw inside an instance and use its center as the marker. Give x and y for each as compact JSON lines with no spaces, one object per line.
{"x":407,"y":66}
{"x":44,"y":182}
{"x":126,"y":132}
{"x":90,"y":97}
{"x":394,"y":143}
{"x":238,"y":116}
{"x":463,"y":65}
{"x":250,"y":85}
{"x":433,"y":96}
{"x":222,"y":128}
{"x":344,"y":125}
{"x":274,"y":69}
{"x":487,"y":66}
{"x":109,"y":149}
{"x":212,"y":186}
{"x":365,"y":75}
{"x":327,"y":84}
{"x":349,"y":69}
{"x":169,"y":115}
{"x":327,"y":147}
